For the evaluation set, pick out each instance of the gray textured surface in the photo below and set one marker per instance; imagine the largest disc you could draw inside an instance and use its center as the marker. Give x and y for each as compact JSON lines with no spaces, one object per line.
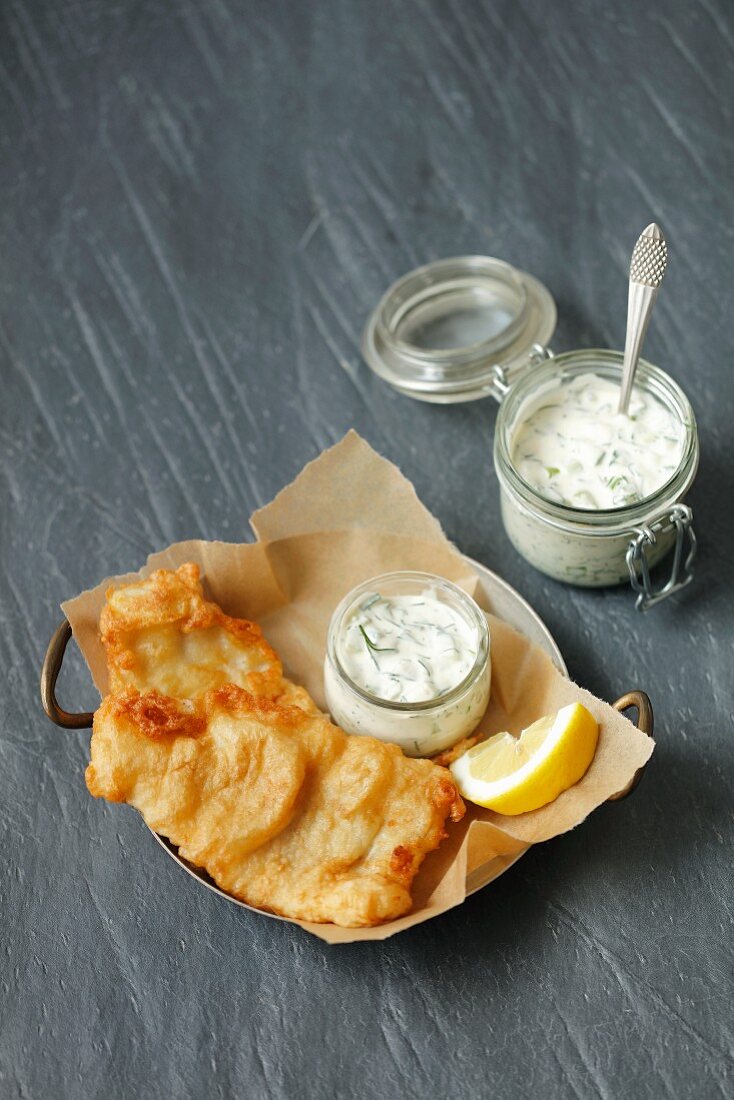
{"x":199,"y":203}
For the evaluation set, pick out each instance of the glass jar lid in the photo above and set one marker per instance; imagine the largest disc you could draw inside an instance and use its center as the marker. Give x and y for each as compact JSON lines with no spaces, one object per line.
{"x":441,"y":331}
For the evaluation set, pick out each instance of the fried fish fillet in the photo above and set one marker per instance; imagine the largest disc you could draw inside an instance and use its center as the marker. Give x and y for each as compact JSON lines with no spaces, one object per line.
{"x":160,"y":634}
{"x":239,"y":769}
{"x":283,"y":809}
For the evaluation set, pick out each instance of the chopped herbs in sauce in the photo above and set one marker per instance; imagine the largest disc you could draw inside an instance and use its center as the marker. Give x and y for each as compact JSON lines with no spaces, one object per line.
{"x":576,"y":449}
{"x":408,"y":649}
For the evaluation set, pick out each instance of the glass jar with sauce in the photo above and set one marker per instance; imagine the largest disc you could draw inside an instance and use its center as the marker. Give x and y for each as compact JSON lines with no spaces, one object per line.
{"x":408,"y":661}
{"x":472,"y":326}
{"x":581,"y":543}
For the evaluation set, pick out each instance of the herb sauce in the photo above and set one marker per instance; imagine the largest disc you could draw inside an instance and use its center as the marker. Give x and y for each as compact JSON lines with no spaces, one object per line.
{"x":574,"y":448}
{"x":407,"y":649}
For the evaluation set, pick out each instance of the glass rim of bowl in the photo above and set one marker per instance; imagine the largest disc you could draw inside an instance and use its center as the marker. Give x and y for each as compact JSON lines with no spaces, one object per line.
{"x":475,"y":614}
{"x":649,"y":377}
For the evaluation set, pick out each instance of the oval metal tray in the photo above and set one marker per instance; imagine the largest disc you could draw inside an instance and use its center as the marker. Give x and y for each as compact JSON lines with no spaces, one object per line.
{"x":494,"y":595}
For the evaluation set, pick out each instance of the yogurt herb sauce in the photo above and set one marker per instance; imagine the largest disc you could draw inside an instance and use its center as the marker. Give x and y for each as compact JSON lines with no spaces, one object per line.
{"x":574,"y":448}
{"x":407,"y":649}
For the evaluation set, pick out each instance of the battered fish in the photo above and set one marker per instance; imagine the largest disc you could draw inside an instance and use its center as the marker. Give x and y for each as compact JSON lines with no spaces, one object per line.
{"x":160,"y":634}
{"x":249,"y":779}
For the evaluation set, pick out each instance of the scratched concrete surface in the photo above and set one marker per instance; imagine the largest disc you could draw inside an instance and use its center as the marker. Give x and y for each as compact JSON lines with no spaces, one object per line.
{"x":199,"y":204}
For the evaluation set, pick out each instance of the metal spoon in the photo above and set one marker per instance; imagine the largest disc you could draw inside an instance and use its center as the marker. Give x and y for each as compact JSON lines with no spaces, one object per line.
{"x":647,"y":268}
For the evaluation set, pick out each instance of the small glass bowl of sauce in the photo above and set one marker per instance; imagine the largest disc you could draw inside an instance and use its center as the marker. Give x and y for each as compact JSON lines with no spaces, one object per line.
{"x":408,"y":661}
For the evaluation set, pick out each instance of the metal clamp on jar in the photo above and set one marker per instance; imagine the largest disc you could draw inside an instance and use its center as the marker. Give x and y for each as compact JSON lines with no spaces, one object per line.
{"x":472,"y":326}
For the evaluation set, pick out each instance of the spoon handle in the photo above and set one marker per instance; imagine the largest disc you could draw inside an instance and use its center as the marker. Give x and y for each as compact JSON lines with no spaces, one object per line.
{"x":649,"y":260}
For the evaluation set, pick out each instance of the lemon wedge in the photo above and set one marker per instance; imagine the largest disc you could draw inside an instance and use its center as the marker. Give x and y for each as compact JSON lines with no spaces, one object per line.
{"x":512,"y":775}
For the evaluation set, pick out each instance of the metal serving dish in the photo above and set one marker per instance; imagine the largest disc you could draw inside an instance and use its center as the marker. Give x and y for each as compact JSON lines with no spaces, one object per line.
{"x":494,"y":595}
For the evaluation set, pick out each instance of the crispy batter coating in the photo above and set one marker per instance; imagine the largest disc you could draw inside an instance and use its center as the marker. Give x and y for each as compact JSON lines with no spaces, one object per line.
{"x":455,"y":751}
{"x":282,"y":808}
{"x":209,"y":784}
{"x":161,"y":634}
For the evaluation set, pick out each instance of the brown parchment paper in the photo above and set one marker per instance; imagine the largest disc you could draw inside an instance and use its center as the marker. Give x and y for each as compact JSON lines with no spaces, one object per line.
{"x":349,"y":515}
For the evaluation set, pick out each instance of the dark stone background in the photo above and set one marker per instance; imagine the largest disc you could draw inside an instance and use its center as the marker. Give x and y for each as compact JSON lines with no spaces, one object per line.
{"x":199,"y":204}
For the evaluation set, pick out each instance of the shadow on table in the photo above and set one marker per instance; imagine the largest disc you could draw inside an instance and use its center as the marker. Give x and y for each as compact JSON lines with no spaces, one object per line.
{"x":639,"y":845}
{"x":636,"y":847}
{"x":625,"y":855}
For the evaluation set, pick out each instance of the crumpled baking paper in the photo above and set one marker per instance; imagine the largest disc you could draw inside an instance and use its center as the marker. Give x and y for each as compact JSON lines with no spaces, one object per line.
{"x":348,"y":516}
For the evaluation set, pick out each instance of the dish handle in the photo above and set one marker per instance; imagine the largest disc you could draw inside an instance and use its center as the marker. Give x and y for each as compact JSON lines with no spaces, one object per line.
{"x":83,"y":719}
{"x":52,"y":663}
{"x":645,"y":722}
